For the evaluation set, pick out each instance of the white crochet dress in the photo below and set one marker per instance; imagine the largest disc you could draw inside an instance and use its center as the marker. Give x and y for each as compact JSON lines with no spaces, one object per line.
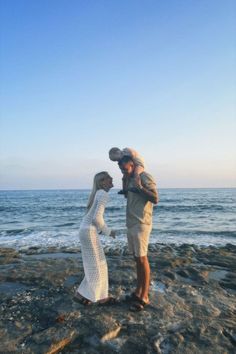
{"x":94,"y":286}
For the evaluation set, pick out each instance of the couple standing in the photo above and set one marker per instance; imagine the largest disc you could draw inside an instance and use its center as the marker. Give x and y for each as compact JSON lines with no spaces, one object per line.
{"x":141,"y":194}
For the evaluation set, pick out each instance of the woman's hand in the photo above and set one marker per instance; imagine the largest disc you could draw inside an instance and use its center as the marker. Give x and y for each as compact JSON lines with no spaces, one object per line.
{"x":113,"y":234}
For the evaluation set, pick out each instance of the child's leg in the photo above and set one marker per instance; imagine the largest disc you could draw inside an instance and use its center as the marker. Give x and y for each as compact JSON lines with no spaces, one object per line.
{"x":124,"y":185}
{"x":125,"y":182}
{"x":138,"y":170}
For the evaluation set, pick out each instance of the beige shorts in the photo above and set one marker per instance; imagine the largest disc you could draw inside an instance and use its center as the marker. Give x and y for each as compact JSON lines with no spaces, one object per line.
{"x":138,"y":239}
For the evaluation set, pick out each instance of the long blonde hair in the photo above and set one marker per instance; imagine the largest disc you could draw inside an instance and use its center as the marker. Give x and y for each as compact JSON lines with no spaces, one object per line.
{"x":97,"y":184}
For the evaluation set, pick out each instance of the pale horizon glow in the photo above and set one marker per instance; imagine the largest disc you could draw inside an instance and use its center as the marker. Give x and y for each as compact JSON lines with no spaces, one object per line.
{"x":80,"y":77}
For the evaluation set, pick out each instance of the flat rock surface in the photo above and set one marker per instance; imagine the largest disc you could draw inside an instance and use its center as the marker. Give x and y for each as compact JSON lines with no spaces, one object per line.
{"x":192,"y":303}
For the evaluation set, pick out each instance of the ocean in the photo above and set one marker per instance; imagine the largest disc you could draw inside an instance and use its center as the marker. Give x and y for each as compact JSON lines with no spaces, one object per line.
{"x":47,"y":218}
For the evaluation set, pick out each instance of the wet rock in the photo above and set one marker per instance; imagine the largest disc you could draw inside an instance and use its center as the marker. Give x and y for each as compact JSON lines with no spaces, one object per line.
{"x":8,"y":255}
{"x":12,"y":333}
{"x":170,"y":275}
{"x":51,"y":340}
{"x":192,"y":303}
{"x":183,"y":273}
{"x":228,"y":284}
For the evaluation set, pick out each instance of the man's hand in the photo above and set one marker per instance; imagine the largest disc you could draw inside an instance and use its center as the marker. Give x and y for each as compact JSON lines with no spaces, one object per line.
{"x":133,"y":189}
{"x":137,"y":185}
{"x":113,"y":234}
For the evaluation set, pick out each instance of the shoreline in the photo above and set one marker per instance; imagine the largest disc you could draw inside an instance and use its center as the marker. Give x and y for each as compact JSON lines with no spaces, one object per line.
{"x":192,"y":293}
{"x":117,"y":247}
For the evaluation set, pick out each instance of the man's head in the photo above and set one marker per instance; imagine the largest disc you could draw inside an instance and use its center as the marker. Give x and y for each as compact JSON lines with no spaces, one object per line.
{"x":126,"y":165}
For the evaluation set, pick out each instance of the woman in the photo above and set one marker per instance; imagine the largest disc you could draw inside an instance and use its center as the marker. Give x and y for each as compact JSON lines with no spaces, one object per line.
{"x":94,"y":286}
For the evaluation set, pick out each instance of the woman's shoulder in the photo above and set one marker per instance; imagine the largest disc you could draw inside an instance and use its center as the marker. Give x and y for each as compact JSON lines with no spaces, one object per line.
{"x":101,"y":194}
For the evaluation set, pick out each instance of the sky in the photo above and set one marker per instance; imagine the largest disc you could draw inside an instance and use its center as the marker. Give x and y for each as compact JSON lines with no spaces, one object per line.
{"x":79,"y":77}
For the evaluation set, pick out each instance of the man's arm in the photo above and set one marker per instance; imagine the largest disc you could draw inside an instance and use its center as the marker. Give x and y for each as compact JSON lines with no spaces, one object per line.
{"x":147,"y":188}
{"x":149,"y":194}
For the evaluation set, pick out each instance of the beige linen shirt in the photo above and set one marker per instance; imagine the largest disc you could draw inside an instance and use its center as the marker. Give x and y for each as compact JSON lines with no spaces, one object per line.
{"x":139,"y":209}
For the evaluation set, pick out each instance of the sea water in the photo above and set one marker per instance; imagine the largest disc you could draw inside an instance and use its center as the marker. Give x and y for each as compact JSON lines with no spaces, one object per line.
{"x":52,"y":217}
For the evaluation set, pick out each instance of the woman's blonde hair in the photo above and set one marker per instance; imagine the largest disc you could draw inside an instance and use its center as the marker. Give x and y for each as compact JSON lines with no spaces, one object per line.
{"x":97,"y":184}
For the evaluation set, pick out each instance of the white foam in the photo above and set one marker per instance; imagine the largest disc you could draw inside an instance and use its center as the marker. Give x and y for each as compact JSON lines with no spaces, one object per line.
{"x":47,"y":239}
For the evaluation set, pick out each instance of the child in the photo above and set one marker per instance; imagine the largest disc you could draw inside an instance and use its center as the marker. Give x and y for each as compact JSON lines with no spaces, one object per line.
{"x":115,"y":154}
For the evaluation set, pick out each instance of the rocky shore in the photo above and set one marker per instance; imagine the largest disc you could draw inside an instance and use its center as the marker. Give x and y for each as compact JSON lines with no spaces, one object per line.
{"x":192,"y":303}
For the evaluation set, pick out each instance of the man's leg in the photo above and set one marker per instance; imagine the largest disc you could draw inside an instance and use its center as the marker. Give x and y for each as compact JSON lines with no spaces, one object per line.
{"x":138,"y":290}
{"x":143,"y":277}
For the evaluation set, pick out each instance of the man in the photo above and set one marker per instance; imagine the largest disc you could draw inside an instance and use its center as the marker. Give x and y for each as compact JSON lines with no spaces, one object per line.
{"x":140,"y":199}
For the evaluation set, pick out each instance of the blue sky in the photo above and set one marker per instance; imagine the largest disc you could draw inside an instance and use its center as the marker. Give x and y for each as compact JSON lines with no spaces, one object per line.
{"x":78,"y":77}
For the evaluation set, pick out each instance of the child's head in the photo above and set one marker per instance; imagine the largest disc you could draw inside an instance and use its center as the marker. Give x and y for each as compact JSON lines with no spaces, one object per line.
{"x":115,"y":154}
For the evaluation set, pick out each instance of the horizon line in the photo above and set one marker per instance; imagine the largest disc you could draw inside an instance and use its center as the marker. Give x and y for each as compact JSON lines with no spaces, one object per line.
{"x":75,"y":189}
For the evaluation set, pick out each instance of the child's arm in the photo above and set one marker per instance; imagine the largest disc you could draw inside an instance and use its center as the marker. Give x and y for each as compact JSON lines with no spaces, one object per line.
{"x":138,"y":169}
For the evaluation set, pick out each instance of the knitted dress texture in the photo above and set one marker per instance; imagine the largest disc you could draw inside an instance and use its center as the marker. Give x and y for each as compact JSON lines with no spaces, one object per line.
{"x":94,"y":286}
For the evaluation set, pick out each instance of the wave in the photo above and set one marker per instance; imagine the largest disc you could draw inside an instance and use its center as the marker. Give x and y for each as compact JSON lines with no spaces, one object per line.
{"x":160,"y":207}
{"x":8,"y":209}
{"x":47,"y":239}
{"x":66,"y":224}
{"x":178,"y":233}
{"x":115,"y":208}
{"x":197,"y":233}
{"x":65,"y":208}
{"x":193,"y":208}
{"x":17,"y":231}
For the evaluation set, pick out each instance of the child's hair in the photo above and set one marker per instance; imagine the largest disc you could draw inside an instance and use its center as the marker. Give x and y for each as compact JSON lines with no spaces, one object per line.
{"x":97,"y":180}
{"x":113,"y":152}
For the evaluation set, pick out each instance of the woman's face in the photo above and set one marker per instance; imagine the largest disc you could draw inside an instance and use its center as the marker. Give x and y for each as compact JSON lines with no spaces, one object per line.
{"x":107,"y":183}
